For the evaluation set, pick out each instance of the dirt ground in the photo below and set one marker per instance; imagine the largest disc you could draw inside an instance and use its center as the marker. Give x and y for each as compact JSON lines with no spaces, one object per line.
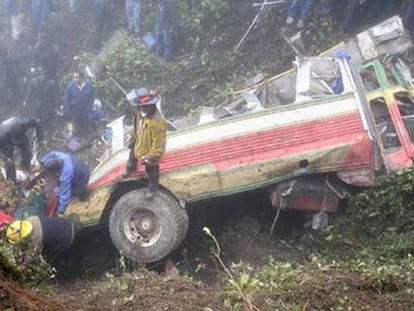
{"x":91,"y":276}
{"x":142,"y":290}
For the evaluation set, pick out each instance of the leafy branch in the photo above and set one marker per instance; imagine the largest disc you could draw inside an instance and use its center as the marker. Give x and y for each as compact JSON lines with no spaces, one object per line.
{"x":217,"y":254}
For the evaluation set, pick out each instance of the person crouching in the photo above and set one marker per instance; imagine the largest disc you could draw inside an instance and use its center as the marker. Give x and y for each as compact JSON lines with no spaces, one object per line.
{"x":73,"y":177}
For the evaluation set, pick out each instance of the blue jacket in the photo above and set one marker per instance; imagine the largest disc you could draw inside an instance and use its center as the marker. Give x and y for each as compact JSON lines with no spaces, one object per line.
{"x":73,"y":175}
{"x":79,"y":102}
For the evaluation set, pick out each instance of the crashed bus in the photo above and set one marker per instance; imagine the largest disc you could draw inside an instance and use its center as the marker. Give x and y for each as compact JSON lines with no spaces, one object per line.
{"x":331,"y":123}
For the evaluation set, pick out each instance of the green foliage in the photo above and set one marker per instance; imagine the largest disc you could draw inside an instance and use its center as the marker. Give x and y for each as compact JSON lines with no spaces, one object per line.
{"x":393,"y":275}
{"x":367,"y":251}
{"x":245,"y":281}
{"x":22,"y":263}
{"x":9,"y":195}
{"x":320,"y":284}
{"x":202,"y":22}
{"x":188,"y":83}
{"x":383,"y":213}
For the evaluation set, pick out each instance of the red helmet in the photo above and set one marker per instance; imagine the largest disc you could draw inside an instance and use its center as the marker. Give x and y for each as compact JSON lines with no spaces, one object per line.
{"x":143,"y":97}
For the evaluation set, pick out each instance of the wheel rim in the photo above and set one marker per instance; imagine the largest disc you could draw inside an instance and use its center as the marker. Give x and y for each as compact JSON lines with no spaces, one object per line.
{"x":142,"y":227}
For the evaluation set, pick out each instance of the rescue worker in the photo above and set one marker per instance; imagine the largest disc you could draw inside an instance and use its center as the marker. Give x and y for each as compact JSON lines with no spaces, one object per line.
{"x":78,"y":103}
{"x":42,"y":98}
{"x":51,"y":235}
{"x":13,"y":133}
{"x":73,"y":175}
{"x":149,"y":136}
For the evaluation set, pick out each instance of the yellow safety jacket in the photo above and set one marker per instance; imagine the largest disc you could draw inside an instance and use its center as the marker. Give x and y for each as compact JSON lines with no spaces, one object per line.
{"x":150,"y":135}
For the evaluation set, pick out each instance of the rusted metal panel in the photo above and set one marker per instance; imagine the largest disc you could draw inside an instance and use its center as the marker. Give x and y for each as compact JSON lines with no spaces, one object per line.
{"x":311,"y":194}
{"x":90,"y":211}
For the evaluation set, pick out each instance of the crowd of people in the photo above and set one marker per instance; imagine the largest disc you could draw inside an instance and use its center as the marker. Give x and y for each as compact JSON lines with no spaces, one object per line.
{"x":32,"y":64}
{"x":34,"y":79}
{"x":34,"y":16}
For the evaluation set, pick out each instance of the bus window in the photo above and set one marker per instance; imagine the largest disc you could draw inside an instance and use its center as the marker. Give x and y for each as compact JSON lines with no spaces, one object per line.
{"x":406,"y":107}
{"x":370,"y":79}
{"x":384,"y":123}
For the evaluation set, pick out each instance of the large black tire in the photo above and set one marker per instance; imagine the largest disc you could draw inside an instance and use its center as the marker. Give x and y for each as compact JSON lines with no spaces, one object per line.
{"x":146,"y":231}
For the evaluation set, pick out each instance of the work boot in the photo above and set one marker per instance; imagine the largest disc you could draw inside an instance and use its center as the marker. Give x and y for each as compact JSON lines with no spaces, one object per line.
{"x":153,"y":173}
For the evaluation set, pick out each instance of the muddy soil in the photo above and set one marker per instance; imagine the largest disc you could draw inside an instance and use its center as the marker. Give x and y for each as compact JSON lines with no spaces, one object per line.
{"x":91,"y":276}
{"x":14,"y":297}
{"x":141,"y":290}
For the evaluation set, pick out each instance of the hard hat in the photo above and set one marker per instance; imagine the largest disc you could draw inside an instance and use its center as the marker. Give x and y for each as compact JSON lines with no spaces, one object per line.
{"x":18,"y":230}
{"x":143,"y":97}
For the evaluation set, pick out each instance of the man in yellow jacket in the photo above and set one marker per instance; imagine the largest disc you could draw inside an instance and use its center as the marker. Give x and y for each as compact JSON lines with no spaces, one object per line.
{"x":149,"y":137}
